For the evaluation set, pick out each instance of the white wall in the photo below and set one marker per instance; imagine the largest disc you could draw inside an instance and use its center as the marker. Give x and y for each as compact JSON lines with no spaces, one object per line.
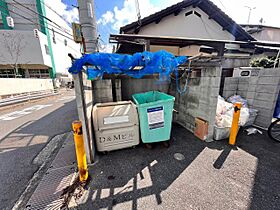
{"x":31,"y":50}
{"x":16,"y":86}
{"x":191,"y":26}
{"x":60,"y":51}
{"x":21,"y":23}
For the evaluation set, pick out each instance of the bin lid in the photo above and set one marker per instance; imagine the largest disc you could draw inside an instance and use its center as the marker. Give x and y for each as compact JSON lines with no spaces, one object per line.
{"x":114,"y":115}
{"x":141,"y":99}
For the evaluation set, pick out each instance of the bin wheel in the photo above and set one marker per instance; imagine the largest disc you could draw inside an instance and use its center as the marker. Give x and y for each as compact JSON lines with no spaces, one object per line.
{"x":148,"y":146}
{"x":133,"y":147}
{"x":105,"y":153}
{"x":166,"y":144}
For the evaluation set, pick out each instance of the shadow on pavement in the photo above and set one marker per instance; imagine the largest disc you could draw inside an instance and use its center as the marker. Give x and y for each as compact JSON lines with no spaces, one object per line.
{"x":130,"y":174}
{"x":206,"y":175}
{"x":265,"y":190}
{"x":265,"y":193}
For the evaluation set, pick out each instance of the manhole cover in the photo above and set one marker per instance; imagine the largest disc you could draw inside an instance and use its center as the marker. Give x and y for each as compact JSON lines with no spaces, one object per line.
{"x":179,"y":156}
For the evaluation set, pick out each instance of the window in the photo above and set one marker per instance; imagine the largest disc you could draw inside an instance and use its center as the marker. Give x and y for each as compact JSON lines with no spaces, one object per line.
{"x":39,"y":73}
{"x":47,"y":49}
{"x":192,"y":12}
{"x":53,"y":38}
{"x":7,"y":73}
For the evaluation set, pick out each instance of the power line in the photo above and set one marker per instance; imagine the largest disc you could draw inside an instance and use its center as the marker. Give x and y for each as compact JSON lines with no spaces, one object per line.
{"x":37,"y":23}
{"x":41,"y":17}
{"x":222,"y":5}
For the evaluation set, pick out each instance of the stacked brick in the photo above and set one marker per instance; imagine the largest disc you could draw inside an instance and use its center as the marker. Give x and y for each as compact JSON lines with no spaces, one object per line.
{"x":200,"y":99}
{"x":260,"y":91}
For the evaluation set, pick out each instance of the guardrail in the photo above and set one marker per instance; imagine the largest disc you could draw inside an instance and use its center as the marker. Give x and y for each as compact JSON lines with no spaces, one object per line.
{"x":26,"y":97}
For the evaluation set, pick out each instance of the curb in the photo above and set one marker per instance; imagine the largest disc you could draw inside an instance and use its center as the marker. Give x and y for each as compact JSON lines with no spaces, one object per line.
{"x":48,"y":154}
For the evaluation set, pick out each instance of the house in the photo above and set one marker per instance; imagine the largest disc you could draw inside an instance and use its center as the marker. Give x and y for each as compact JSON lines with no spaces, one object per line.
{"x":34,"y":40}
{"x":263,"y":32}
{"x":190,"y":27}
{"x":268,"y":35}
{"x":200,"y":25}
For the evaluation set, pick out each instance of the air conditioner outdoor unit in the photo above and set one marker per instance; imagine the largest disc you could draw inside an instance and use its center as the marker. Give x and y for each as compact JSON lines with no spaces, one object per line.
{"x":246,"y":72}
{"x":10,"y":22}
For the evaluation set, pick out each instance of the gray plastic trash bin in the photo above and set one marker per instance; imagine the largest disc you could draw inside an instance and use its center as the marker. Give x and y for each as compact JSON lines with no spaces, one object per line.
{"x":116,"y":125}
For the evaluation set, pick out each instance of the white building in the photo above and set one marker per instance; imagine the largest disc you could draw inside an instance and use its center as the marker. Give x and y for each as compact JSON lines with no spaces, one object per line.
{"x":38,"y":44}
{"x":192,"y":19}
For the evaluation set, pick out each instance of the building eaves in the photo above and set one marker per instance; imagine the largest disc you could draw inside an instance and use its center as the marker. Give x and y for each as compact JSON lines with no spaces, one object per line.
{"x":207,"y":6}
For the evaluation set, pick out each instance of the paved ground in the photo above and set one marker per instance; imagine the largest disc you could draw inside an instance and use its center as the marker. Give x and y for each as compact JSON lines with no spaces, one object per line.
{"x":190,"y":174}
{"x":24,"y":131}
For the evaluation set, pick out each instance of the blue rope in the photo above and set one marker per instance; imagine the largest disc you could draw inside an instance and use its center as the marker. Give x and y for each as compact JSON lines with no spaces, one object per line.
{"x":177,"y":81}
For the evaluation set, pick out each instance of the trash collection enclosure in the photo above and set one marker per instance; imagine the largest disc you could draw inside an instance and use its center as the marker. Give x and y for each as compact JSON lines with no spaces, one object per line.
{"x":195,"y":86}
{"x":261,"y":92}
{"x":199,"y":99}
{"x":201,"y":96}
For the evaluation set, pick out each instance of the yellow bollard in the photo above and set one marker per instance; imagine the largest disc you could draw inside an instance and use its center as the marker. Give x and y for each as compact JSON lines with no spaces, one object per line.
{"x":80,"y":150}
{"x":234,"y":125}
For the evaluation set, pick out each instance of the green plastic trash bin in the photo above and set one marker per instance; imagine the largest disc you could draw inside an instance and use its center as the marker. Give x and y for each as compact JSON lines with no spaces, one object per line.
{"x":155,"y":111}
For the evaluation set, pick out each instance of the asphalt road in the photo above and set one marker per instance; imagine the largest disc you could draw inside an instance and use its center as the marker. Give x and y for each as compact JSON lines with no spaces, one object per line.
{"x":24,"y":131}
{"x":190,"y":174}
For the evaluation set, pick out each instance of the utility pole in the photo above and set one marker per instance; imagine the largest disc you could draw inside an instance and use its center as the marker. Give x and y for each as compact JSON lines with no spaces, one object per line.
{"x":250,"y":10}
{"x":88,"y":24}
{"x":83,"y":87}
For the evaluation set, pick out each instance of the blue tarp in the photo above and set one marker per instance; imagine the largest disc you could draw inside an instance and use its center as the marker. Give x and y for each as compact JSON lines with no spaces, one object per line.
{"x":161,"y":62}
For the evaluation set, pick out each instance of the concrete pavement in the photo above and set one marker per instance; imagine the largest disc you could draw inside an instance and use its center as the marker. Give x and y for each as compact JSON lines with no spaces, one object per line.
{"x":190,"y":174}
{"x":24,"y":131}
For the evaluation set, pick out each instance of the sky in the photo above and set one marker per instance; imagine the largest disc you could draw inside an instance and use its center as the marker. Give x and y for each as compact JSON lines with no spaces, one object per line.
{"x":112,"y":14}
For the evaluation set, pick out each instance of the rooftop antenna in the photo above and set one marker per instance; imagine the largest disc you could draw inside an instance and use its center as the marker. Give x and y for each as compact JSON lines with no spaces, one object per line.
{"x":138,"y":12}
{"x":250,"y":10}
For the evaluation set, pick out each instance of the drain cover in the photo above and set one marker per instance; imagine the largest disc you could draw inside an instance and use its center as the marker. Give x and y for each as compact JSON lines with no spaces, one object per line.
{"x":179,"y":156}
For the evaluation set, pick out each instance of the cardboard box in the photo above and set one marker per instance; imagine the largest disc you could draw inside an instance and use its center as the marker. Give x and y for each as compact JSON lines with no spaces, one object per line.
{"x":201,"y":128}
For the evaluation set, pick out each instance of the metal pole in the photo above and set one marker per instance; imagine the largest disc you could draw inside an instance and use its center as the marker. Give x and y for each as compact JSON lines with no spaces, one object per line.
{"x":83,"y":88}
{"x":80,"y":150}
{"x":88,"y":24}
{"x":249,"y":15}
{"x":235,"y":120}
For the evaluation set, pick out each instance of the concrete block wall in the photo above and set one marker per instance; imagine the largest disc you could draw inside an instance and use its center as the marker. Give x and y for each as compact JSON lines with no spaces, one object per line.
{"x":125,"y":88}
{"x":102,"y":90}
{"x":118,"y":86}
{"x":261,"y":92}
{"x":130,"y":86}
{"x":200,"y":100}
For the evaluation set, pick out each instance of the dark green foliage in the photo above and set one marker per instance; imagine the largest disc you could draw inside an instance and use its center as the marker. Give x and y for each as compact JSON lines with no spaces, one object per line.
{"x":266,"y":62}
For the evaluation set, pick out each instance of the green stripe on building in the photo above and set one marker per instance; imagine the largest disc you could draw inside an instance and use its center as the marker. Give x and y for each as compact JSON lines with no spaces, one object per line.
{"x":44,"y":29}
{"x":4,"y":13}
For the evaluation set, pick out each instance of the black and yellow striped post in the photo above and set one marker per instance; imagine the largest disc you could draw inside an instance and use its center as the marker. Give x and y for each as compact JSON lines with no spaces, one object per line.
{"x":80,"y":150}
{"x":234,"y":125}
